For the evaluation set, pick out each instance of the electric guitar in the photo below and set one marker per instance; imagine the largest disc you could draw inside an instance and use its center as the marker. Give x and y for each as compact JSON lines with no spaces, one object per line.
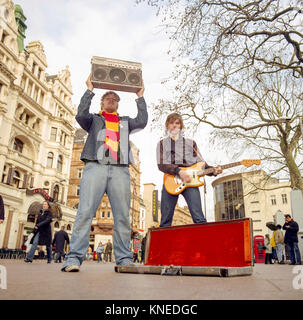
{"x":174,"y":184}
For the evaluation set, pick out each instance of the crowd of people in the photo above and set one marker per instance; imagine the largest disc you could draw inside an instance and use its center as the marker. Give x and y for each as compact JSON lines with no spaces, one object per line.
{"x":274,"y":245}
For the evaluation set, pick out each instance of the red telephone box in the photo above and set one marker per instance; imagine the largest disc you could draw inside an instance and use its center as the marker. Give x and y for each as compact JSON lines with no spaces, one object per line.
{"x":258,"y":249}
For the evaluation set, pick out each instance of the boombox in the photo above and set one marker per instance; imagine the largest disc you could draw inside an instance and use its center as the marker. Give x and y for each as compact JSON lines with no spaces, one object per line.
{"x":114,"y":74}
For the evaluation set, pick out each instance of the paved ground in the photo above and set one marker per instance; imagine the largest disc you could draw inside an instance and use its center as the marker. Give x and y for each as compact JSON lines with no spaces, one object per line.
{"x":99,"y":281}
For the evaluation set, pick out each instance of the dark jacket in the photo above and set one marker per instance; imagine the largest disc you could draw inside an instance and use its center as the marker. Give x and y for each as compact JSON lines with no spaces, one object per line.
{"x":94,"y":124}
{"x":59,"y":240}
{"x":173,"y":154}
{"x":109,"y":247}
{"x":291,"y":234}
{"x":44,"y":228}
{"x":1,"y":208}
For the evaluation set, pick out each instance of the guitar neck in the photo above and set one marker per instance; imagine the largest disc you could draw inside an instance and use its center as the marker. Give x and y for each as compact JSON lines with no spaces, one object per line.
{"x":225,"y":166}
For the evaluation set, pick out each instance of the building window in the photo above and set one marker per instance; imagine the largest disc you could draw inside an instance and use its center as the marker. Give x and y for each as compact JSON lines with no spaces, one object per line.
{"x":78,"y":191}
{"x":108,"y":214}
{"x":53,"y":135}
{"x":18,"y":145}
{"x":16,"y":179}
{"x":68,"y":228}
{"x":33,"y":67}
{"x":80,"y":171}
{"x":50,"y":158}
{"x":31,"y":218}
{"x":56,"y":224}
{"x":60,"y":163}
{"x":4,"y":174}
{"x":284,"y":198}
{"x":103,"y":214}
{"x":4,"y":35}
{"x":39,"y":73}
{"x":273,"y":200}
{"x":56,"y":193}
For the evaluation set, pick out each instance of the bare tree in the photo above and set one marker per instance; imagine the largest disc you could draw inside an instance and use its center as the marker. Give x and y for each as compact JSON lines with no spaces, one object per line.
{"x":239,"y":69}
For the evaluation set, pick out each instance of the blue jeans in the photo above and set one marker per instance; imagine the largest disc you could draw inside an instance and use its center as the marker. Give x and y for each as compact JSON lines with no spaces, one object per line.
{"x":279,"y":251}
{"x":31,"y":253}
{"x":294,"y":252}
{"x":96,"y":180}
{"x":169,"y":201}
{"x":99,"y":256}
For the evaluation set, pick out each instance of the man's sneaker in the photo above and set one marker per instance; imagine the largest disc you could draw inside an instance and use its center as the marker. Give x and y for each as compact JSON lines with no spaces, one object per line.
{"x":71,"y":268}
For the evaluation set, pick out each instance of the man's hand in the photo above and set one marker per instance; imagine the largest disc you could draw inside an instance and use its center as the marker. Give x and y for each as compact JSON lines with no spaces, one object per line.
{"x":1,"y":221}
{"x":89,"y":83}
{"x":185,"y":177}
{"x":217,"y":170}
{"x":35,"y":227}
{"x":141,"y":91}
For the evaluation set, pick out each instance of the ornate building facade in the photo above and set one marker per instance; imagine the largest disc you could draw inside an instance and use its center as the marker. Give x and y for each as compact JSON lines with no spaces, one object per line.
{"x":252,"y":195}
{"x":36,"y":132}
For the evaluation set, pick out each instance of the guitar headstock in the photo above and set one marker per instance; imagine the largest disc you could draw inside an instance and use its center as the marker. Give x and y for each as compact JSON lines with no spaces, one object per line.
{"x":250,"y":162}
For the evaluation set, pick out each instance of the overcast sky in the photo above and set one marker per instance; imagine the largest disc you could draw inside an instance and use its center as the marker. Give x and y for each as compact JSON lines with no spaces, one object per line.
{"x":72,"y":31}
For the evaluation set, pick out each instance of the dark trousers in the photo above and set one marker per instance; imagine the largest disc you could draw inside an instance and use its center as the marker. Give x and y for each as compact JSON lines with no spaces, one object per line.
{"x":169,"y":201}
{"x":108,"y":256}
{"x":99,"y":256}
{"x":268,"y":257}
{"x":58,"y":256}
{"x":294,"y":252}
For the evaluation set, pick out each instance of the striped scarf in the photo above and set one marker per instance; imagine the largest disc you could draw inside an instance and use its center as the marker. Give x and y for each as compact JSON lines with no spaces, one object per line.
{"x":111,"y":133}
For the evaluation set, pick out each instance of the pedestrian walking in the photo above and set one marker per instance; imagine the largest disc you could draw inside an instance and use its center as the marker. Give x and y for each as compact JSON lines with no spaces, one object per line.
{"x":43,"y":233}
{"x":268,"y":250}
{"x":108,"y":251}
{"x":89,"y":253}
{"x":291,"y":239}
{"x":59,"y":242}
{"x":99,"y":251}
{"x":143,"y":243}
{"x":279,"y":241}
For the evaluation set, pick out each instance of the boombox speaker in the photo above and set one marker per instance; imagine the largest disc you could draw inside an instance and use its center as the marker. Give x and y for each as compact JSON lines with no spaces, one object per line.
{"x":114,"y":74}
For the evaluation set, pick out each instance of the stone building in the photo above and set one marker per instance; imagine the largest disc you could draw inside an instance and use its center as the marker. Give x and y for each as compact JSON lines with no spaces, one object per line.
{"x":36,"y":132}
{"x":252,"y":195}
{"x":181,"y":215}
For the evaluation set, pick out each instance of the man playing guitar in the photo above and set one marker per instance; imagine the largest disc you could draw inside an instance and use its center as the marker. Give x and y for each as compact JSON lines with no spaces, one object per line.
{"x":173,"y":152}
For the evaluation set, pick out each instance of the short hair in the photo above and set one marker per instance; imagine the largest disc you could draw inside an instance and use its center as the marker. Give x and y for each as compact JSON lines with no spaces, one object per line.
{"x":287,"y":216}
{"x":110,"y":92}
{"x":279,"y":226}
{"x":63,"y":227}
{"x":173,"y":117}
